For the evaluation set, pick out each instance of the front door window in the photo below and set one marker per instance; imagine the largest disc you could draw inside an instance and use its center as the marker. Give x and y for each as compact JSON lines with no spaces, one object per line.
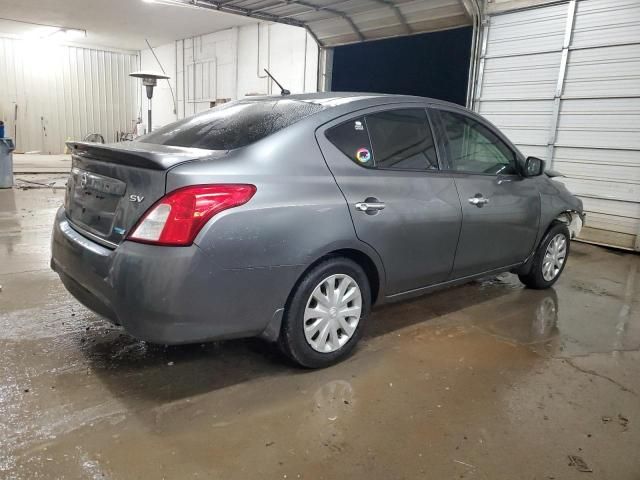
{"x":471,"y":147}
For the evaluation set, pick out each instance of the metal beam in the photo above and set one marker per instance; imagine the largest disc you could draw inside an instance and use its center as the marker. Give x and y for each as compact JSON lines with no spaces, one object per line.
{"x":562,"y":72}
{"x":310,"y":7}
{"x":314,"y":36}
{"x":325,"y":69}
{"x":334,"y":11}
{"x":310,"y":10}
{"x":401,"y":18}
{"x":473,"y":9}
{"x":225,"y":5}
{"x":485,"y":25}
{"x":510,"y":6}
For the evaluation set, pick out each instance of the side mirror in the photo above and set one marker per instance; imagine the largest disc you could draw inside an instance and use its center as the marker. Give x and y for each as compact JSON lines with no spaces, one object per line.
{"x":533,"y":167}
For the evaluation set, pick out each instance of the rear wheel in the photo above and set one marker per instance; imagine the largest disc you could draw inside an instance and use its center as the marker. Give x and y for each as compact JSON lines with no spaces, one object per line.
{"x":549,"y":259}
{"x":323,"y":321}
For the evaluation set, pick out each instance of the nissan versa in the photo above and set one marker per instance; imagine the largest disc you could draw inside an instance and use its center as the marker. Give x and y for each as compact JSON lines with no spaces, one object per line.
{"x":289,"y":217}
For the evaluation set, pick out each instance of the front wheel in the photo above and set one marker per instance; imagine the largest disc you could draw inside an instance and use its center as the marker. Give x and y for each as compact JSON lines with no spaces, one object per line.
{"x":323,"y":321}
{"x":550,"y":258}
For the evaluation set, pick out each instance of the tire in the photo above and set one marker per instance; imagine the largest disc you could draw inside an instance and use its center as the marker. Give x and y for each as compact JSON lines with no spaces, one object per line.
{"x":318,"y":342}
{"x":540,"y":276}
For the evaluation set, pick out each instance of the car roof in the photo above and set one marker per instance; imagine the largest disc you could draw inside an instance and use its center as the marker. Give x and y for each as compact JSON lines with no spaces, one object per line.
{"x":335,"y":99}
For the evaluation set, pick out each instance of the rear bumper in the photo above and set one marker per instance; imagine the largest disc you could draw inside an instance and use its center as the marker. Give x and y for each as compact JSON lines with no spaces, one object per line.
{"x":167,"y":295}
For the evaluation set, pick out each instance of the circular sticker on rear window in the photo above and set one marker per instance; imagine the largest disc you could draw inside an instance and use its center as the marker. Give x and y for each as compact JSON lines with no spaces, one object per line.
{"x":363,"y":155}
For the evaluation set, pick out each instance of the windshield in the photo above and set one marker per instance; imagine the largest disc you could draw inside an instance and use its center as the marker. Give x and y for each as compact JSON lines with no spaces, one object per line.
{"x":232,"y":125}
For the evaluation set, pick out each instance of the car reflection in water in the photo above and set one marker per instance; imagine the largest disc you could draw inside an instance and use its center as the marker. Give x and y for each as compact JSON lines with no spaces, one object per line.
{"x":526,"y":317}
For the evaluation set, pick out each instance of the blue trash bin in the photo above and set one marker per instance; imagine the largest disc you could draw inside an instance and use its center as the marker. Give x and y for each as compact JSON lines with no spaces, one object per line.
{"x":6,"y":162}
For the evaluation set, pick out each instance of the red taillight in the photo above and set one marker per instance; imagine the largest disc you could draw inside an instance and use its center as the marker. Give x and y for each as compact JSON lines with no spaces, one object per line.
{"x":177,"y":217}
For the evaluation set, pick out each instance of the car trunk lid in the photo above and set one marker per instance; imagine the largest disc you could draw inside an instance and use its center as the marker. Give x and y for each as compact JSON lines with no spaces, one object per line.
{"x":111,"y":186}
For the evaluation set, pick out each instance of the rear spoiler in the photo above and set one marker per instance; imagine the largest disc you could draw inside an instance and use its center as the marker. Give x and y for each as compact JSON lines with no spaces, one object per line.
{"x":142,"y":155}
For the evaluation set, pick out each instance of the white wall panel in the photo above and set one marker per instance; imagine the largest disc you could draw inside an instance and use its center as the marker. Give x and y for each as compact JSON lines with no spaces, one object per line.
{"x":610,"y":159}
{"x":164,"y":93}
{"x":622,"y":209}
{"x":604,"y":72}
{"x":209,"y":71}
{"x":524,"y":122}
{"x":230,"y":64}
{"x":600,"y":123}
{"x":607,"y":190}
{"x":521,"y":78}
{"x":606,"y":22}
{"x":64,"y":92}
{"x":613,"y":223}
{"x":533,"y":150}
{"x":520,"y":73}
{"x":526,"y":32}
{"x":602,"y":171}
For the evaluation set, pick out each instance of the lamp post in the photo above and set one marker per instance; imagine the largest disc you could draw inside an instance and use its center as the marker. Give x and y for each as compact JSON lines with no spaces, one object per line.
{"x":149,"y":80}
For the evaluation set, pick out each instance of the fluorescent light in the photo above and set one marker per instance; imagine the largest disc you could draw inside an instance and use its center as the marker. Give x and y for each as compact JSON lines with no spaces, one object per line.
{"x":70,"y":33}
{"x":55,"y":33}
{"x":40,"y":32}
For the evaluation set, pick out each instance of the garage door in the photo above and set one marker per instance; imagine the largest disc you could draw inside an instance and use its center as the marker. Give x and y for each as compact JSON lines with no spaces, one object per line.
{"x":563,"y":81}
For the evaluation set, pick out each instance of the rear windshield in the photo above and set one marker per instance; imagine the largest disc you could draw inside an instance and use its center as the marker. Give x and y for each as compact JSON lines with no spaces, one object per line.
{"x":232,"y":125}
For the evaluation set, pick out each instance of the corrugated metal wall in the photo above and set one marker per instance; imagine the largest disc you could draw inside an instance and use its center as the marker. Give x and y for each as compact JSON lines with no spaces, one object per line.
{"x":563,"y":81}
{"x":64,"y":92}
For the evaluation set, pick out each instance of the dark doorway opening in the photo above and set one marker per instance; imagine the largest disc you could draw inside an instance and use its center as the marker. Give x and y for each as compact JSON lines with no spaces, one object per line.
{"x":429,"y":65}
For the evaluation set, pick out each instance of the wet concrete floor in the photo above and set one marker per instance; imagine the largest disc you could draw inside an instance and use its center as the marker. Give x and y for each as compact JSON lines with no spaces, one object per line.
{"x":484,"y":381}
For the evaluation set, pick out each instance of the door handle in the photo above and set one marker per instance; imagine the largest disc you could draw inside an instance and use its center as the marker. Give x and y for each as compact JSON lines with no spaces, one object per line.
{"x":478,"y":201}
{"x":370,"y":207}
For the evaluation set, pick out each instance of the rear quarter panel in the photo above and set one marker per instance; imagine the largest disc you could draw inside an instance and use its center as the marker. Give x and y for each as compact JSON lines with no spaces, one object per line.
{"x":297,"y":214}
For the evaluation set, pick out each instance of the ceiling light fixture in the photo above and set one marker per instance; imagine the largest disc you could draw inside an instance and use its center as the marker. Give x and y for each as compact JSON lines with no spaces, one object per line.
{"x":43,"y":30}
{"x":69,"y":33}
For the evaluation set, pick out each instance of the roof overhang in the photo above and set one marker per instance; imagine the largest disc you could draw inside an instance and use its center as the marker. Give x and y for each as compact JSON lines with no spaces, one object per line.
{"x":340,"y":22}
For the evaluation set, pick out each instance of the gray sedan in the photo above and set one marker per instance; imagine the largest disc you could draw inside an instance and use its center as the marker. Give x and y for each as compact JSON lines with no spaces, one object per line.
{"x":289,"y":217}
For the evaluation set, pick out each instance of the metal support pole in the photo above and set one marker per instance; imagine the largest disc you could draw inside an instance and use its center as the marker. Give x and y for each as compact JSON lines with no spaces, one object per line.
{"x":149,"y":80}
{"x":483,"y":53}
{"x":555,"y":115}
{"x":325,"y":69}
{"x":149,"y":115}
{"x":473,"y":9}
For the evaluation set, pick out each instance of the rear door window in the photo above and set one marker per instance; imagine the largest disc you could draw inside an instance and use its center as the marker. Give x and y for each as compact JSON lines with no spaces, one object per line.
{"x":401,"y":139}
{"x":398,"y":139}
{"x":352,"y":139}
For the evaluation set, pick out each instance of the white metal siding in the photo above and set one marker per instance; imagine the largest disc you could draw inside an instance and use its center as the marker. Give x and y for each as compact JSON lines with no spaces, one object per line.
{"x":520,"y":73}
{"x":526,"y":32}
{"x":64,"y":92}
{"x":591,"y":125}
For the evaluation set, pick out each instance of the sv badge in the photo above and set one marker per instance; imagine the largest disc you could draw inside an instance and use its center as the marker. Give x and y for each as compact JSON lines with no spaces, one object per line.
{"x":136,"y":198}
